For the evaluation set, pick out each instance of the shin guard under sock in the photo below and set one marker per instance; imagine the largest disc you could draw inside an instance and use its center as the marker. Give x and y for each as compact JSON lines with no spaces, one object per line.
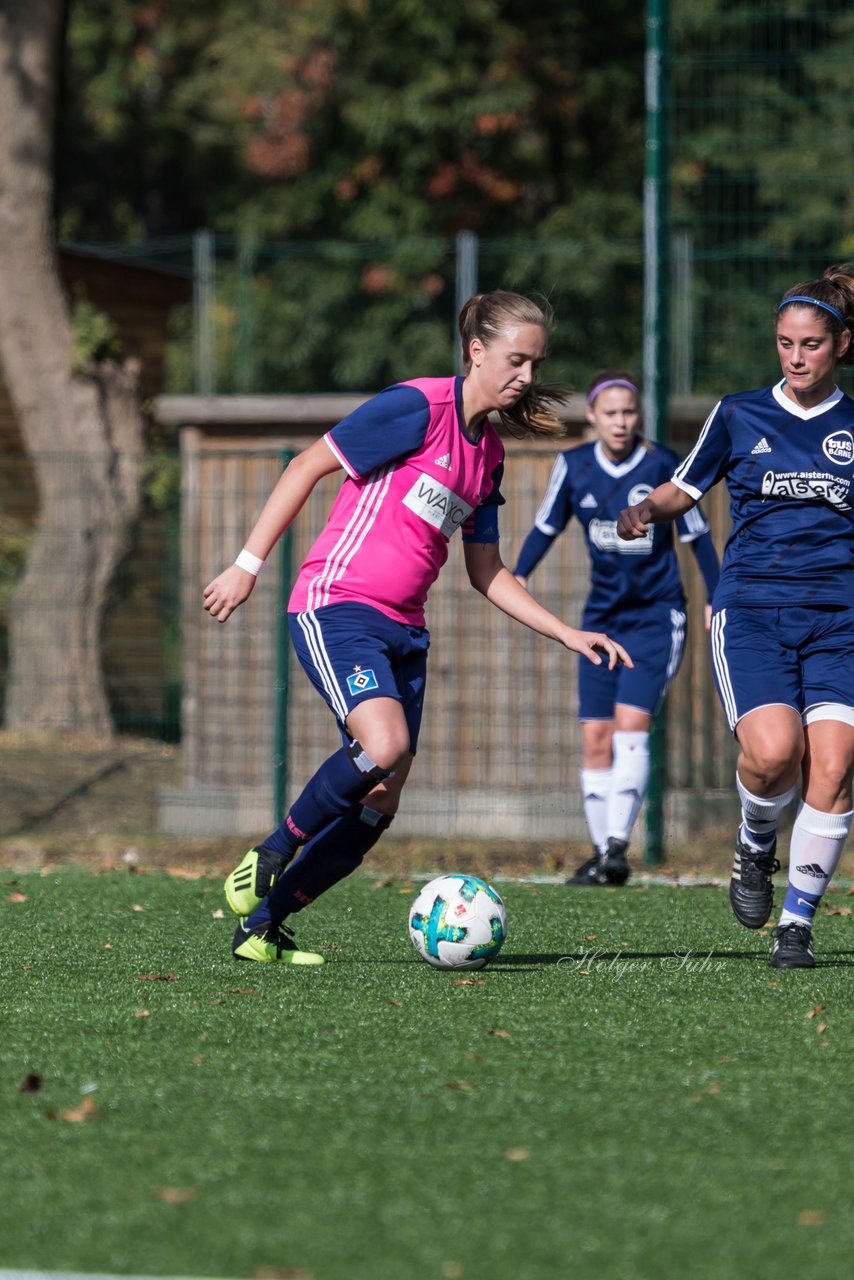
{"x":346,"y":777}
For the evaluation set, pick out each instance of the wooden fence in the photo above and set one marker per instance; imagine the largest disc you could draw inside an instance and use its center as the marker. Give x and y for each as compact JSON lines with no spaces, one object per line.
{"x":500,"y":750}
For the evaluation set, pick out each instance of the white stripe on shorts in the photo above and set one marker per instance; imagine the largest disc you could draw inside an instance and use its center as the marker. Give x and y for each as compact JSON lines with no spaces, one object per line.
{"x":311,"y":629}
{"x":677,"y":644}
{"x":721,"y":669}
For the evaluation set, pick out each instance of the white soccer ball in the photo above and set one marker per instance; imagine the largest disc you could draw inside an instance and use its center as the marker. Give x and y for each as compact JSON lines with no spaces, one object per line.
{"x":457,"y":922}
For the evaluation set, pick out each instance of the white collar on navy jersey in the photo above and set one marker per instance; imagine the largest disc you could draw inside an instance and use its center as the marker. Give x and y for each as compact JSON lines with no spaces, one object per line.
{"x":795,"y":409}
{"x":618,"y":468}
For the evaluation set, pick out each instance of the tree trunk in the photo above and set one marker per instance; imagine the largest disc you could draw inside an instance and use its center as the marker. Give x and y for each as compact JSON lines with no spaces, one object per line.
{"x":82,"y":430}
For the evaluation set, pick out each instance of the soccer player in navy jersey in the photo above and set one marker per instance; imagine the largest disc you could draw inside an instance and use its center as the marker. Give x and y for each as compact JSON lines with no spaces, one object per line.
{"x":783,"y":622}
{"x":635,"y":592}
{"x":420,"y":460}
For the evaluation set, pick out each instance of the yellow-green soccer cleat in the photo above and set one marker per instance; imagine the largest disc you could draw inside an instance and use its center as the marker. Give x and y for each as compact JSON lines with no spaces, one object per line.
{"x":269,"y":945}
{"x":248,"y":885}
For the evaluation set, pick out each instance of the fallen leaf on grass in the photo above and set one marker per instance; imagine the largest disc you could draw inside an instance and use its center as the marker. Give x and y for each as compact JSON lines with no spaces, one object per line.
{"x":812,"y":1218}
{"x":469,"y":982}
{"x":708,"y":1092}
{"x":821,"y":1028}
{"x":219,"y":914}
{"x":504,"y":1035}
{"x":838,"y":911}
{"x":30,"y":1083}
{"x":157,"y":977}
{"x":176,"y":1195}
{"x":137,"y":906}
{"x":183,"y":873}
{"x":459,"y":1085}
{"x":76,"y":1115}
{"x":143,"y":1013}
{"x":395,"y":1002}
{"x":817,"y":1008}
{"x":17,"y":897}
{"x":517,"y":1154}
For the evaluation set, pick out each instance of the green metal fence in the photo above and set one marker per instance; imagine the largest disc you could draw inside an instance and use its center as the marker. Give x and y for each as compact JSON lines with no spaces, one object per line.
{"x":757,"y":132}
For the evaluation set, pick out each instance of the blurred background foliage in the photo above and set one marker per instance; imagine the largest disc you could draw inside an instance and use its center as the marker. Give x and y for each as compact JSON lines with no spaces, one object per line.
{"x":335,"y":148}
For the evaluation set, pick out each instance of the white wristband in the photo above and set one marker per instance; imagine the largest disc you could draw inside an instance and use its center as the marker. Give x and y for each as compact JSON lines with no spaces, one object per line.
{"x":250,"y":563}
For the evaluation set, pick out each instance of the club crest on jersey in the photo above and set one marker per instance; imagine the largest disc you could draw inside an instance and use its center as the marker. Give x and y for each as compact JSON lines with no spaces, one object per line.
{"x":839,"y":448}
{"x":638,"y":493}
{"x":437,"y":504}
{"x":361,"y":681}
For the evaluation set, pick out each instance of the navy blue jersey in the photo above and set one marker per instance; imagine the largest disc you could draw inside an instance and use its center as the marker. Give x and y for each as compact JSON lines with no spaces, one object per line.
{"x":624,"y":575}
{"x":789,"y":473}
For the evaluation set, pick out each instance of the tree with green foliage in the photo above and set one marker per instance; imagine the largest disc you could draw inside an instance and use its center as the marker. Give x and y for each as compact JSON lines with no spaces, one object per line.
{"x":359,"y":136}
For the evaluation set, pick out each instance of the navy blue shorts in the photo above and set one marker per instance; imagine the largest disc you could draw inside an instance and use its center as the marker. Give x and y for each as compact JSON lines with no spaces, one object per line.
{"x":352,"y":652}
{"x":655,"y":641}
{"x":796,"y":656}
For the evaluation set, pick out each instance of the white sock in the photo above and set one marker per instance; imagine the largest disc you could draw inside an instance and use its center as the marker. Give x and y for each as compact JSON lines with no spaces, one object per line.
{"x":760,"y":815}
{"x":629,"y":779}
{"x":595,"y":789}
{"x":814,"y":852}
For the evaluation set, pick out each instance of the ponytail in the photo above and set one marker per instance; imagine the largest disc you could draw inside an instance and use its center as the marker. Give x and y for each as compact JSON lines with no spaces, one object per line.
{"x":486,"y":316}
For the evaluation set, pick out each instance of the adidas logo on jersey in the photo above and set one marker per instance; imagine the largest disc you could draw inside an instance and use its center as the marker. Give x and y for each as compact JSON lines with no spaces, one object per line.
{"x":762,"y":447}
{"x":444,"y":461}
{"x":588,"y":501}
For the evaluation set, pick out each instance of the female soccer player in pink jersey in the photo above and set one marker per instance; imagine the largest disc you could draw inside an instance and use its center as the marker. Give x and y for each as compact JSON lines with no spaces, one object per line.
{"x":421,"y":459}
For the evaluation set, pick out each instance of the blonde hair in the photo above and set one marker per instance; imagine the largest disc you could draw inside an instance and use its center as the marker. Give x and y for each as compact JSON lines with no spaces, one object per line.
{"x":835,"y":290}
{"x":486,"y":316}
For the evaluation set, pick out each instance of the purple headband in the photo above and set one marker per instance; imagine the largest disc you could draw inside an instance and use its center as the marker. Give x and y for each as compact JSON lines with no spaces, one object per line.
{"x":814,"y":302}
{"x":612,"y":382}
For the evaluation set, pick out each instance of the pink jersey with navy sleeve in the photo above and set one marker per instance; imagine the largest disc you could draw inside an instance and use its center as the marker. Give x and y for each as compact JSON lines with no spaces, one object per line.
{"x":413,"y":478}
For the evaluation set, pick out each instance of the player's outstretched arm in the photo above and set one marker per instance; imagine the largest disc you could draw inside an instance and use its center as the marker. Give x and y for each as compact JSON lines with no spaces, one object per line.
{"x":664,"y":503}
{"x":234,"y":585}
{"x":490,"y":576}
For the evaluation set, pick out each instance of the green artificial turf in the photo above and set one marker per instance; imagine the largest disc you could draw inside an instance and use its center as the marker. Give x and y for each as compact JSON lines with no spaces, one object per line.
{"x":626,"y":1091}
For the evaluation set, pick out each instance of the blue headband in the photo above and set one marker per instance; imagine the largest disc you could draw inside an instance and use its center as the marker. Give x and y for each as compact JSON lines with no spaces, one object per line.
{"x":815,"y":302}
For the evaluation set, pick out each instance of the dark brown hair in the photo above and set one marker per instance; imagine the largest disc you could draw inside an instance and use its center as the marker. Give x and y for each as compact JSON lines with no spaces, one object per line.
{"x":486,"y":316}
{"x":835,"y":289}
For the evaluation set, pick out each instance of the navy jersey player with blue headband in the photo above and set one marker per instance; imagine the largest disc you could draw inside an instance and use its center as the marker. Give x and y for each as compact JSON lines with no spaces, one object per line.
{"x":783,"y":623}
{"x":636,"y":591}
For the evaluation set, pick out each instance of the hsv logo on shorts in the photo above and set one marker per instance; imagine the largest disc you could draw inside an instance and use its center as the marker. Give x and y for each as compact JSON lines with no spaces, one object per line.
{"x":362,"y":681}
